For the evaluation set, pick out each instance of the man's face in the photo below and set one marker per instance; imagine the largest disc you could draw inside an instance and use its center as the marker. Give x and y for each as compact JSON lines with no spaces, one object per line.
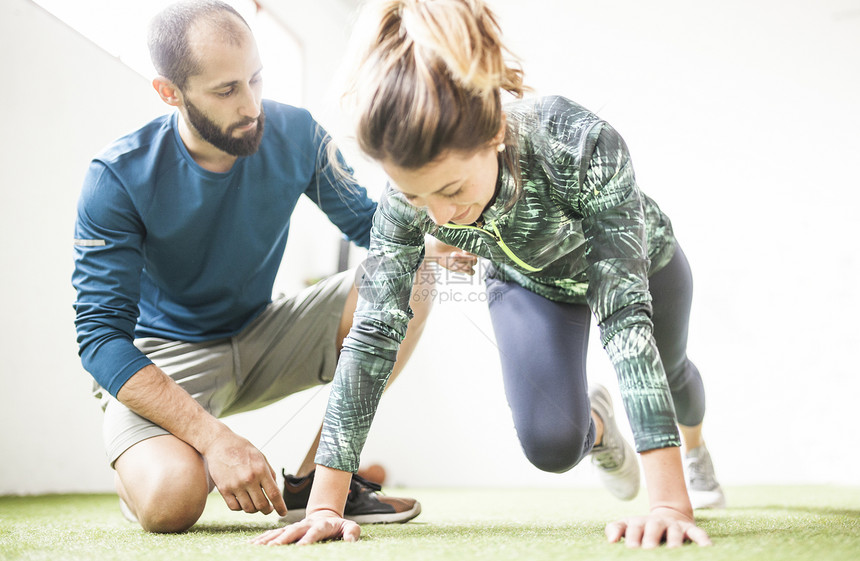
{"x":223,"y":103}
{"x":242,"y":143}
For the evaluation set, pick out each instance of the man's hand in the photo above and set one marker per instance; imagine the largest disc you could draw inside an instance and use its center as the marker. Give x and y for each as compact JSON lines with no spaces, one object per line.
{"x":243,"y":476}
{"x":240,"y":471}
{"x":318,"y":527}
{"x":663,"y":524}
{"x":452,"y":258}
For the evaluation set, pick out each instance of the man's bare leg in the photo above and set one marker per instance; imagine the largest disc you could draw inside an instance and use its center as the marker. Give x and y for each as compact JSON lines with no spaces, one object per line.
{"x":164,"y":482}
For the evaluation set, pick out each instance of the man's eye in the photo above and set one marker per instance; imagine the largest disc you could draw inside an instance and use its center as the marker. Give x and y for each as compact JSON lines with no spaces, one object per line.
{"x":228,"y":93}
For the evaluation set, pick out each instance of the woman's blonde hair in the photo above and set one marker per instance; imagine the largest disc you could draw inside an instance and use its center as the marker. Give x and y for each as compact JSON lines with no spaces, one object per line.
{"x":431,"y":80}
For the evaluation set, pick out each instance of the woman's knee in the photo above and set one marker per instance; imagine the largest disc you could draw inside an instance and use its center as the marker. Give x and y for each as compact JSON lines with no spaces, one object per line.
{"x":557,"y":452}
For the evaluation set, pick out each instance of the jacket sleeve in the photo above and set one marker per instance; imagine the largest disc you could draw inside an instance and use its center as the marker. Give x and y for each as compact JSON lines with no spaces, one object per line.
{"x":334,"y":190}
{"x":382,"y":315}
{"x":108,"y":264}
{"x":617,"y":254}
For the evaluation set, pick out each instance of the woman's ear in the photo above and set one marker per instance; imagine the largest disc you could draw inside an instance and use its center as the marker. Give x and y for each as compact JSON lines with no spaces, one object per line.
{"x":167,"y":91}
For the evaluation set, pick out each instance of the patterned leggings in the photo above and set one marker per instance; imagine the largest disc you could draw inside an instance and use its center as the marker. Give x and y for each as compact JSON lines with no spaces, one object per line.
{"x":543,"y":346}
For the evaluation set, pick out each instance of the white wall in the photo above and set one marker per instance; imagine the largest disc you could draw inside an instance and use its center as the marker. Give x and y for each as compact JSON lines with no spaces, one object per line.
{"x":743,"y":124}
{"x":65,"y":99}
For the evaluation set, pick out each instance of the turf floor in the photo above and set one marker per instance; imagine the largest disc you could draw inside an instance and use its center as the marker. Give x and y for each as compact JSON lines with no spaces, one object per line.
{"x":762,"y":523}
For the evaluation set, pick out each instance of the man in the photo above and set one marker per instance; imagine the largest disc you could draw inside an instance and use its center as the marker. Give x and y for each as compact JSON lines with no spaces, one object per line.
{"x":180,"y":231}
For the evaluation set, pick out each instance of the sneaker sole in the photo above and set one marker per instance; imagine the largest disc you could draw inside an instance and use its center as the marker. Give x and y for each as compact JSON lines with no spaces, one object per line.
{"x":387,"y":517}
{"x":297,"y":515}
{"x":707,"y":500}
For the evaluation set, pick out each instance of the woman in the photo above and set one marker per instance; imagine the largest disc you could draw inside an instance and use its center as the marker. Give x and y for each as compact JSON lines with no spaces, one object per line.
{"x":545,"y":191}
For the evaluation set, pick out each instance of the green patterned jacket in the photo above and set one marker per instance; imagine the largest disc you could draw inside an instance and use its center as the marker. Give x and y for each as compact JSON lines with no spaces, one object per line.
{"x":570,"y":224}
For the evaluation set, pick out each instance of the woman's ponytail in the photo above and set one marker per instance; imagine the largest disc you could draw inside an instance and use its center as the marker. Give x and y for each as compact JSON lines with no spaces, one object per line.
{"x":431,"y":80}
{"x":465,"y":36}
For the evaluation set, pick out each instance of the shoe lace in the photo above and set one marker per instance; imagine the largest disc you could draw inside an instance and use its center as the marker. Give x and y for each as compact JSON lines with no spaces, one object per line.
{"x":607,"y":458}
{"x":700,"y":473}
{"x":359,"y":482}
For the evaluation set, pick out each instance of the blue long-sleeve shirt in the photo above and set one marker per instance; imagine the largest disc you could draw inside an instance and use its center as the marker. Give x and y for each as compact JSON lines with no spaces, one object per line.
{"x":165,"y":248}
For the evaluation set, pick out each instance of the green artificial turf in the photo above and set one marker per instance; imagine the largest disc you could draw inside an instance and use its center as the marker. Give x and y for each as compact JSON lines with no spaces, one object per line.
{"x":786,"y":523}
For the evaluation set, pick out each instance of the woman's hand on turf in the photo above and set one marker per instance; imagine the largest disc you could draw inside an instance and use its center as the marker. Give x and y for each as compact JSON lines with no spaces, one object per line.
{"x":662,"y":525}
{"x":316,"y":528}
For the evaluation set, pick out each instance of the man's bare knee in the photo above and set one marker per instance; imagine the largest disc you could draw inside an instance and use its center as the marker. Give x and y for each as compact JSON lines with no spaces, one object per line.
{"x":164,"y":482}
{"x":164,"y":517}
{"x":174,"y":506}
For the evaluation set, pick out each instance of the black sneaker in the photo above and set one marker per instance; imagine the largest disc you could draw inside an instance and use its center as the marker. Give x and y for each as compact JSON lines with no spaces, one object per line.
{"x":364,"y":504}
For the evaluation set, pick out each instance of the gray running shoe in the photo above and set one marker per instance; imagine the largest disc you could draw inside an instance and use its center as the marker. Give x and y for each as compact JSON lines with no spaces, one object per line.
{"x":614,"y":457}
{"x":705,"y":491}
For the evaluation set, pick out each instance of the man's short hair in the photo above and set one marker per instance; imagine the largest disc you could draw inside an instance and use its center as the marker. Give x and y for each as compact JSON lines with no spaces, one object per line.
{"x":171,"y":54}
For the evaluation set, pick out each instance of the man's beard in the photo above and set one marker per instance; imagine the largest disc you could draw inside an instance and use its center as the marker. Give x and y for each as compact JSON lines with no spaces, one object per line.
{"x":210,"y":132}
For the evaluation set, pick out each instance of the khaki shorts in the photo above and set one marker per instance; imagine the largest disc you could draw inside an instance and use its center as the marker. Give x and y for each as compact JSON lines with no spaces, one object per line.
{"x":288,"y":348}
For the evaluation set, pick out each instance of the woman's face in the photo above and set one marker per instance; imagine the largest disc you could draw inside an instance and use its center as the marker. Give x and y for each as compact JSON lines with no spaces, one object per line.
{"x":456,"y":187}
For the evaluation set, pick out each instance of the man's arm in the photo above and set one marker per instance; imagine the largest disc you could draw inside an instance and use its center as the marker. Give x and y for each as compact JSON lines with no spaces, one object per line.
{"x":241,"y":473}
{"x":334,"y":189}
{"x":109,"y":237}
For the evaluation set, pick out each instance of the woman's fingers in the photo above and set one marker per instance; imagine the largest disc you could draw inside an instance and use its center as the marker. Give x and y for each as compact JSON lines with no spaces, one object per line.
{"x":615,"y":530}
{"x":650,"y":531}
{"x":697,"y":535}
{"x":310,"y":531}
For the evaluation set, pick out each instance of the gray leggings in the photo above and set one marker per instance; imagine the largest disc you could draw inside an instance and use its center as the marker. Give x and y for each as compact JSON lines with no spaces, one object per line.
{"x":543,"y":346}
